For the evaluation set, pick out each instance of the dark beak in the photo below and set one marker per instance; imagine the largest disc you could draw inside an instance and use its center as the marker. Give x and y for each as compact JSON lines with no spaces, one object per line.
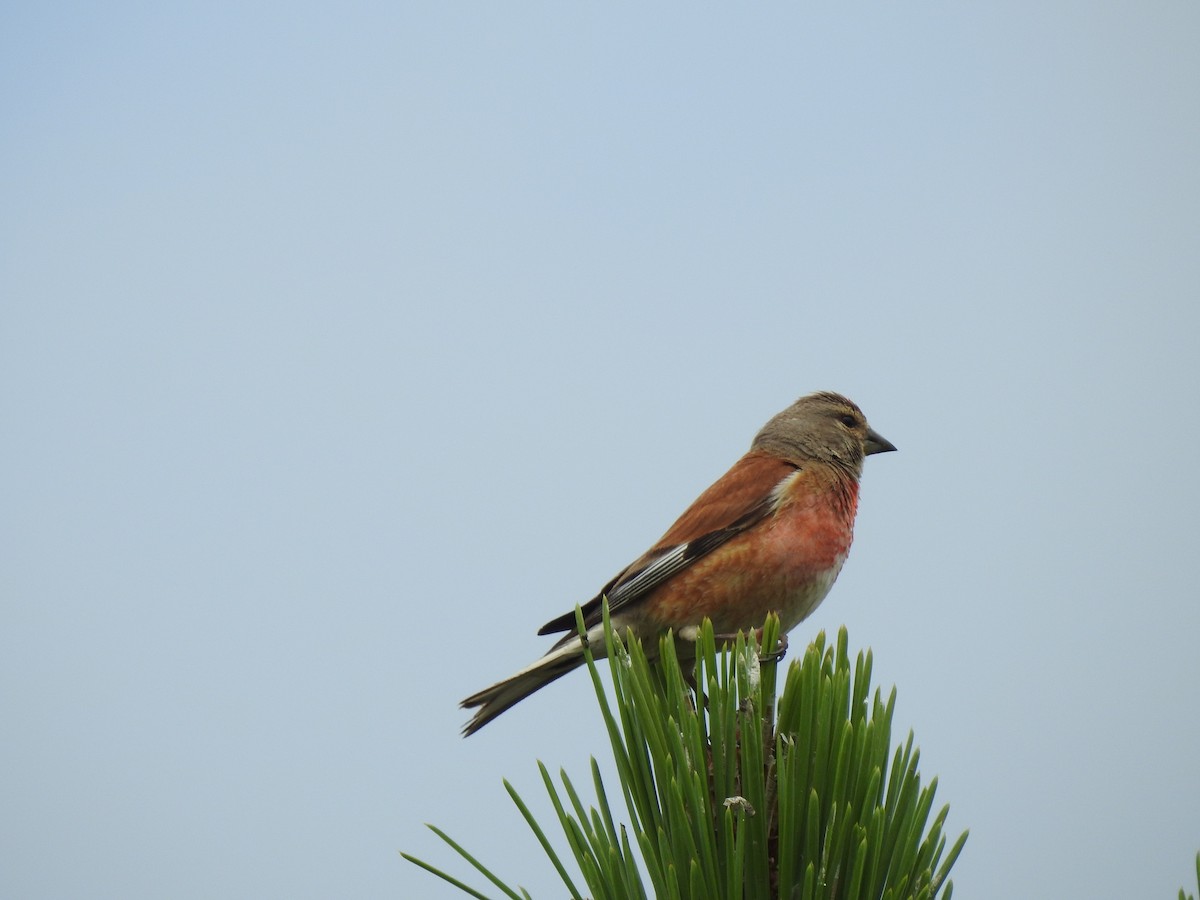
{"x":877,"y":443}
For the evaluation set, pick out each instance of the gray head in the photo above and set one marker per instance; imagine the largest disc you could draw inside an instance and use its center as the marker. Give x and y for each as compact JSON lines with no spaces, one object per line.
{"x":823,"y":426}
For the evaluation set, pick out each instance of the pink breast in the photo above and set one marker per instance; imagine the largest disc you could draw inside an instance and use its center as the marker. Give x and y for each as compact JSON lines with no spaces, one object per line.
{"x":785,"y":564}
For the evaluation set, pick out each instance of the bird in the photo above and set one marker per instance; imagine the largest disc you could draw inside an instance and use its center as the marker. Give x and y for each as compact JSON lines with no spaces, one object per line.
{"x":770,"y":535}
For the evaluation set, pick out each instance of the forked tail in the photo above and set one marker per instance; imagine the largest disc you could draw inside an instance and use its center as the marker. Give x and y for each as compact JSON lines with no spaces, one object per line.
{"x":492,"y":701}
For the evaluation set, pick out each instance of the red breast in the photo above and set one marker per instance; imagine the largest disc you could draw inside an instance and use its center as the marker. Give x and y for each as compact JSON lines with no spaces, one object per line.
{"x":784,"y":564}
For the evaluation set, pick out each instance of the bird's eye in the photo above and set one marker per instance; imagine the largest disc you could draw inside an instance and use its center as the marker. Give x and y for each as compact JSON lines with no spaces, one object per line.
{"x":849,"y":421}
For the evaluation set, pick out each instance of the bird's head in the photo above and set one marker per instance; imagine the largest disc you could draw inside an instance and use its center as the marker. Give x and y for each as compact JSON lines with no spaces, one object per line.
{"x":823,"y":426}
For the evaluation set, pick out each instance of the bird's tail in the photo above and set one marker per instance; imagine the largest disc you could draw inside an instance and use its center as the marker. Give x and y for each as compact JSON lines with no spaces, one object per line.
{"x":490,"y":702}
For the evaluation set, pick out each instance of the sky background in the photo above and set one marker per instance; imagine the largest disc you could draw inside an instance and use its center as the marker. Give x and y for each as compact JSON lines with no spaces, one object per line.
{"x":340,"y":348}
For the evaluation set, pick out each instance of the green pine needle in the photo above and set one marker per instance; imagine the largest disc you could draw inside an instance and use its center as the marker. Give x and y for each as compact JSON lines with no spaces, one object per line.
{"x":1182,"y":895}
{"x":731,"y":791}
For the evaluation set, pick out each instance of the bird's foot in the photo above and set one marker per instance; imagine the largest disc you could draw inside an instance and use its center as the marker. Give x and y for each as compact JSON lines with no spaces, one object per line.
{"x":778,"y":652}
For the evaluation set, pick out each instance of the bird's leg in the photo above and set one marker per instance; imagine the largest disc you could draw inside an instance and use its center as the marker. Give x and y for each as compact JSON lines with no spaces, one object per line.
{"x":778,"y":652}
{"x":774,"y":655}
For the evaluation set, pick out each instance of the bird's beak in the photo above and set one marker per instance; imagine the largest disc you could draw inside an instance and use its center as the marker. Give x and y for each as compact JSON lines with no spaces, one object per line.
{"x":877,"y":443}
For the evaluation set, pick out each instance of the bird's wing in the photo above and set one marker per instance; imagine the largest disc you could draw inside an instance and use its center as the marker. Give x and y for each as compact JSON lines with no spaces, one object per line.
{"x":742,"y":497}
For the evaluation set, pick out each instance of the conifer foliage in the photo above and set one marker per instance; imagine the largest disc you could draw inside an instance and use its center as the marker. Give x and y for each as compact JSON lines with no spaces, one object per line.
{"x":733,"y":792}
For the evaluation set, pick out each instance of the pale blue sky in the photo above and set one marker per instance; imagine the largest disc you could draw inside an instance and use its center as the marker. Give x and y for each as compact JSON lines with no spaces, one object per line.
{"x":341,"y":348}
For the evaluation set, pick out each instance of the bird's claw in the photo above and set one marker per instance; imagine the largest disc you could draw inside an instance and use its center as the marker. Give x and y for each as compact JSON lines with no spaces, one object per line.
{"x":773,"y":655}
{"x":777,"y":653}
